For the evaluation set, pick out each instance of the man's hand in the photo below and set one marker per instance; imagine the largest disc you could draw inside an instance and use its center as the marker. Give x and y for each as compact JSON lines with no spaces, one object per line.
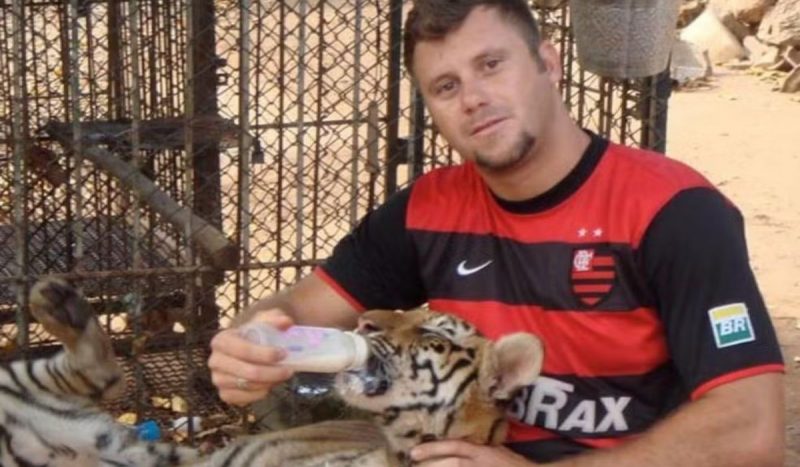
{"x":463,"y":454}
{"x":244,"y":372}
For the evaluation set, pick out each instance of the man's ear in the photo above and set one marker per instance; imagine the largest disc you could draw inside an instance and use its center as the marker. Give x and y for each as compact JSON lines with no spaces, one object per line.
{"x":511,"y":363}
{"x":551,"y":61}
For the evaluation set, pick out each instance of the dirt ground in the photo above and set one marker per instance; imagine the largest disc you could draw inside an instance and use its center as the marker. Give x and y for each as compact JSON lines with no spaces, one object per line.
{"x":744,"y":137}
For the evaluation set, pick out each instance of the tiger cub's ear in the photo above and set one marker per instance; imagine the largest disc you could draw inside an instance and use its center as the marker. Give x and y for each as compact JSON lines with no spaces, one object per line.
{"x":513,"y":362}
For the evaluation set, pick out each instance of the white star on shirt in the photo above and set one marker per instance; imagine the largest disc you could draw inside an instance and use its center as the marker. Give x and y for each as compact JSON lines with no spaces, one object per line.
{"x":597,"y":232}
{"x":582,"y":232}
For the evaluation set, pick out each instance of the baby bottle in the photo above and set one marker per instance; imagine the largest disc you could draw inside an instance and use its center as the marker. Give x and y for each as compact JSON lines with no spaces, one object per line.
{"x":311,"y":349}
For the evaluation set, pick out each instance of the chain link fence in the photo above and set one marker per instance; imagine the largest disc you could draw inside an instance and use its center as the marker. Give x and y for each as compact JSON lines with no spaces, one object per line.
{"x":179,"y":159}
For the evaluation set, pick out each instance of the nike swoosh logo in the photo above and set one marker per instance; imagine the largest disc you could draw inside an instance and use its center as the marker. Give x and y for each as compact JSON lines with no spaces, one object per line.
{"x":463,"y":270}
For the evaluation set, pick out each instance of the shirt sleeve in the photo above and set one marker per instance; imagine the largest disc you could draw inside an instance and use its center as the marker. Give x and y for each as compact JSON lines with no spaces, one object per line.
{"x":376,"y":265}
{"x":694,"y":255}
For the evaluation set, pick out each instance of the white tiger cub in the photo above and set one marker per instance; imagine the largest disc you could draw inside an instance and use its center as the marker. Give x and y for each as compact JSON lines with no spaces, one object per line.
{"x":430,"y":376}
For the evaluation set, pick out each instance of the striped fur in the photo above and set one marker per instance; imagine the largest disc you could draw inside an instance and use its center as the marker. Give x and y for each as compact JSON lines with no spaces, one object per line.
{"x":430,"y":376}
{"x":48,"y":414}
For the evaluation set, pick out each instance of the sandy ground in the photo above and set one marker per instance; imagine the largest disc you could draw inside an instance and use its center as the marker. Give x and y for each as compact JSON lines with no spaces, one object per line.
{"x":746,"y":139}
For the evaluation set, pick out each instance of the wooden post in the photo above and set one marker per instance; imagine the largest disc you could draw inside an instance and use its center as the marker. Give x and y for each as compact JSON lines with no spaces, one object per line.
{"x":221,"y":252}
{"x":205,"y":157}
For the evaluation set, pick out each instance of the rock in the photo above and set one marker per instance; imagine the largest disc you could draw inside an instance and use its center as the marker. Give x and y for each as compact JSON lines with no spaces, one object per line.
{"x":792,"y":82}
{"x":738,"y":28}
{"x":687,"y":63}
{"x":708,"y":33}
{"x":689,"y":10}
{"x":761,"y":54}
{"x":745,"y":11}
{"x":781,"y":25}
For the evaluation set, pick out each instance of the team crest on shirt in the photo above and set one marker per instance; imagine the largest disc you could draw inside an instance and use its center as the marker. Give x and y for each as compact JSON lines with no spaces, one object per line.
{"x":593,"y":273}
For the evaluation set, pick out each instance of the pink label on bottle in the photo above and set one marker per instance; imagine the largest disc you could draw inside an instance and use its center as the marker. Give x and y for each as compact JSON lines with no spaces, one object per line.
{"x":310,"y":336}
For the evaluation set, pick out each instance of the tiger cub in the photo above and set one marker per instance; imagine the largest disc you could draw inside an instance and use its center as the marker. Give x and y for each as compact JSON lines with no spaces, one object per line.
{"x":430,"y":376}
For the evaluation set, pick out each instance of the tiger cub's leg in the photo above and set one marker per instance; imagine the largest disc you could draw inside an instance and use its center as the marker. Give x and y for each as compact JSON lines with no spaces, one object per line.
{"x":88,"y":368}
{"x":47,"y":410}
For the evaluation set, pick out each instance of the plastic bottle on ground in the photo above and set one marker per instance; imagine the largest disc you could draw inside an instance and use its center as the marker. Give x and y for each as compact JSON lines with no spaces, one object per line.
{"x":148,"y":430}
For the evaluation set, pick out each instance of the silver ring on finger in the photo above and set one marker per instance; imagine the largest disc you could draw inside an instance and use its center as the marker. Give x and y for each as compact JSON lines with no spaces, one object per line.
{"x":241,"y":384}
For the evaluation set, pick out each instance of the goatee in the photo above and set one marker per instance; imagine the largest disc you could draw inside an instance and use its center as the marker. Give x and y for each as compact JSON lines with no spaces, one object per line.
{"x":523,"y":146}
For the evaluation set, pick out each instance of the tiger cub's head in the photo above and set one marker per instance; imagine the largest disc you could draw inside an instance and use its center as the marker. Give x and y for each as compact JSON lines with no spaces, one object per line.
{"x":432,"y":376}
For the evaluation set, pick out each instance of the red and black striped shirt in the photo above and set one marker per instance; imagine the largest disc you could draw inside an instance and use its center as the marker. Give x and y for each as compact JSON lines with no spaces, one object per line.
{"x":615,"y":268}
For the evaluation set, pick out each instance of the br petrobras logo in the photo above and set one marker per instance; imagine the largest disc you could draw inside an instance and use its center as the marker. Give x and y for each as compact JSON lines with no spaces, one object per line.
{"x":731,"y":325}
{"x":592,"y":274}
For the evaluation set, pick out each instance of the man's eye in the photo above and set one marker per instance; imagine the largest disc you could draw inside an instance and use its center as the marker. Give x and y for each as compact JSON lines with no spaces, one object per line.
{"x":447,"y":86}
{"x":492,"y":63}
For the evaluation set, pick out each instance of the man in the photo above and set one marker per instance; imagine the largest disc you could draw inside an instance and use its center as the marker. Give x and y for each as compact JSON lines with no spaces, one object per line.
{"x":631,"y":267}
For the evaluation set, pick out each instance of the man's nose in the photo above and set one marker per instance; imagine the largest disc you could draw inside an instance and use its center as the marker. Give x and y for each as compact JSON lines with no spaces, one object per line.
{"x":473,"y":95}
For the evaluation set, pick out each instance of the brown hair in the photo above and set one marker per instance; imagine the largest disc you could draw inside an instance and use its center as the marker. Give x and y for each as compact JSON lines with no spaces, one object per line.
{"x":434,"y":19}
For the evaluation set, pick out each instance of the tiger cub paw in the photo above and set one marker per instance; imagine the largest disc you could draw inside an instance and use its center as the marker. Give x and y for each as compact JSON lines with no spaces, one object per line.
{"x":60,"y":309}
{"x":67,"y":315}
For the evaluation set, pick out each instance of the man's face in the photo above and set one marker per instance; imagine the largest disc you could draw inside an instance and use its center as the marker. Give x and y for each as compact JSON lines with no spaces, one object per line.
{"x":486,"y":92}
